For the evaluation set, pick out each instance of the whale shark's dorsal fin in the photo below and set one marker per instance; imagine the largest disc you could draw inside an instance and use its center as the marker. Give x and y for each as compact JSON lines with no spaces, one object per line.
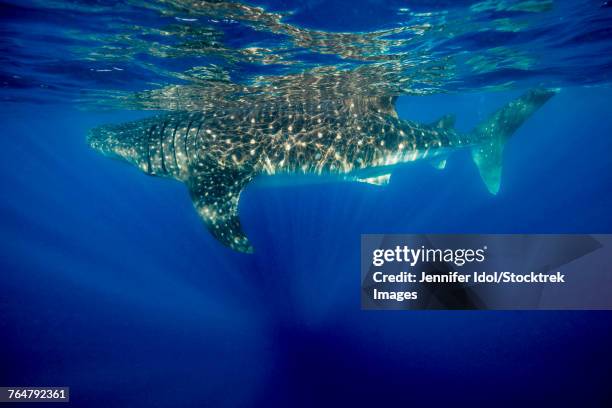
{"x":445,"y":122}
{"x":386,"y":104}
{"x":379,"y":104}
{"x":215,"y":192}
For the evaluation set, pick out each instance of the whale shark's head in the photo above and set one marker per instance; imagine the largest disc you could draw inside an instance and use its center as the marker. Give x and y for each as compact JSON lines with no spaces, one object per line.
{"x":121,"y":142}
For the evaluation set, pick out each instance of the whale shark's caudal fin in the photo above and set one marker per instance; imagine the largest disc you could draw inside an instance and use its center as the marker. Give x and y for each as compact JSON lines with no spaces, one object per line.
{"x":491,"y":135}
{"x":215,"y":193}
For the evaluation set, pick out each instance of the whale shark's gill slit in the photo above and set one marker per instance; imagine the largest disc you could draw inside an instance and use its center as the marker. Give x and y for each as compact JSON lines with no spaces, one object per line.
{"x":161,"y":148}
{"x":176,"y":164}
{"x":196,"y":137}
{"x":148,"y":138}
{"x":186,"y":139}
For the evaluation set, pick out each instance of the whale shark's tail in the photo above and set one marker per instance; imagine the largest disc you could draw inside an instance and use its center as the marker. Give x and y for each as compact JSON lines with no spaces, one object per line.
{"x":491,"y":135}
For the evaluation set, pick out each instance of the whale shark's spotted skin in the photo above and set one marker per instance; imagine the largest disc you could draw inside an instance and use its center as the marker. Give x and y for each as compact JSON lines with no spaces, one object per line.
{"x":216,"y":153}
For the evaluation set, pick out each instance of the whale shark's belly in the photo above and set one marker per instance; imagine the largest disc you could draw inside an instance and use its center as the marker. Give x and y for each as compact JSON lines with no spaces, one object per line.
{"x":375,"y":173}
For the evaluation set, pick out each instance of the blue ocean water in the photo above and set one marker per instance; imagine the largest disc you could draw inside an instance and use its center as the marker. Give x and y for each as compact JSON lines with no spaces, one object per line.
{"x":111,"y":285}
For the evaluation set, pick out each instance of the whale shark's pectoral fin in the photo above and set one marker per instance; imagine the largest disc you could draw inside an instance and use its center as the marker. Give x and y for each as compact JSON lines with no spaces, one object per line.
{"x":382,"y":180}
{"x":215,"y":193}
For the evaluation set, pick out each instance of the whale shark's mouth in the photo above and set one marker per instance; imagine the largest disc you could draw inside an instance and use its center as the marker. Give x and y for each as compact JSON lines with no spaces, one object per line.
{"x":105,"y":140}
{"x":97,"y":139}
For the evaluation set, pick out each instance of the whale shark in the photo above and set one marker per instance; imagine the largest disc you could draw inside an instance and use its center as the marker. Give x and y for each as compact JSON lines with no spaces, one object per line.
{"x":217,"y":152}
